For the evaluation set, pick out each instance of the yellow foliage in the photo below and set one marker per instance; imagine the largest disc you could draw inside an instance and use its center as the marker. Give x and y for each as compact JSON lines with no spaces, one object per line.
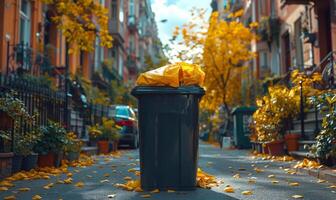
{"x":81,"y":22}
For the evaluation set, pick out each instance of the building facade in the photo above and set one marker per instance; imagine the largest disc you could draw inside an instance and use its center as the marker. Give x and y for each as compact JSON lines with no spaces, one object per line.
{"x":28,"y":34}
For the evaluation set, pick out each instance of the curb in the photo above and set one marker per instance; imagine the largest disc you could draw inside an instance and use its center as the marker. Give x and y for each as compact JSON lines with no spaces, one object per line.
{"x":323,"y":174}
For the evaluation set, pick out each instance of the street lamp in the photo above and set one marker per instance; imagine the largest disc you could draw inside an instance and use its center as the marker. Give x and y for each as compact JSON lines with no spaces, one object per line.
{"x":8,"y":38}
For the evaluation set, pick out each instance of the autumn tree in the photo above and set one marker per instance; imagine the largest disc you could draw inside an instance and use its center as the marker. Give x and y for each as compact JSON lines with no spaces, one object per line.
{"x":81,"y":21}
{"x":221,"y":47}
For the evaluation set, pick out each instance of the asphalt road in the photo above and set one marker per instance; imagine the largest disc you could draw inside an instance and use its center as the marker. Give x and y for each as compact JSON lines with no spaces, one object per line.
{"x":222,"y":164}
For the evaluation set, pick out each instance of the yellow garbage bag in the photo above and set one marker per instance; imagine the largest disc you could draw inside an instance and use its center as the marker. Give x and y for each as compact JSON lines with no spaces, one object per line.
{"x":174,"y":75}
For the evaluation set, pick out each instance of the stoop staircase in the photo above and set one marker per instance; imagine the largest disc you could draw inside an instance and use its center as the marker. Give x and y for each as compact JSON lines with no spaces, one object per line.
{"x":312,"y":126}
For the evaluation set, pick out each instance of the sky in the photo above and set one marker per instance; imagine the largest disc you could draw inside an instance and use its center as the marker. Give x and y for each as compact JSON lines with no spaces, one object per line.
{"x":176,"y":12}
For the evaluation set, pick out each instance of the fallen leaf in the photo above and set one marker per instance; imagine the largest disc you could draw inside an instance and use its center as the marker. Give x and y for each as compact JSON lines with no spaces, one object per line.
{"x":69,"y":174}
{"x":48,"y":186}
{"x":79,"y":184}
{"x":241,"y":169}
{"x":104,"y":181}
{"x":127,"y":178}
{"x":6,"y":184}
{"x":321,"y":181}
{"x":68,"y":181}
{"x":89,"y":176}
{"x":145,"y":196}
{"x":24,"y":189}
{"x":247,"y":192}
{"x":106,"y":175}
{"x":297,"y":196}
{"x":237,"y":176}
{"x":229,"y":189}
{"x":76,"y":170}
{"x":170,"y":191}
{"x":36,"y":197}
{"x":294,"y":184}
{"x":252,"y":180}
{"x":275,"y":182}
{"x":138,"y":189}
{"x":155,"y":191}
{"x":258,"y":170}
{"x":12,"y":197}
{"x":271,"y":176}
{"x":3,"y":188}
{"x":332,"y":186}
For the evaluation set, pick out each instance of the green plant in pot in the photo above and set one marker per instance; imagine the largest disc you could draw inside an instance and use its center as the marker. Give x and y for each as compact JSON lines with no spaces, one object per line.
{"x":94,"y":133}
{"x":325,"y":147}
{"x":51,"y":145}
{"x":12,"y":111}
{"x":109,"y":132}
{"x":25,"y":147}
{"x":73,"y":147}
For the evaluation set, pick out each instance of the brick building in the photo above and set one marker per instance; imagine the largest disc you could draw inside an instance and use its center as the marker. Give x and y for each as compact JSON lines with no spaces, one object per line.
{"x":27,"y":26}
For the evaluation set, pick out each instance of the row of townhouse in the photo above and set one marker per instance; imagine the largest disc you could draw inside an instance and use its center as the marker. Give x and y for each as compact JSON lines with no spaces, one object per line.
{"x":295,"y":34}
{"x":27,"y":33}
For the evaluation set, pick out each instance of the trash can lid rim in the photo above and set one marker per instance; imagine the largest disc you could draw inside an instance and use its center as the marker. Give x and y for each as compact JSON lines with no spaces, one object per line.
{"x":139,"y":90}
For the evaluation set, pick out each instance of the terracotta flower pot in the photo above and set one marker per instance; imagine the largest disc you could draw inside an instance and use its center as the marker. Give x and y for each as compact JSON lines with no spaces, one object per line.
{"x":47,"y":160}
{"x":276,"y":148}
{"x":292,"y":142}
{"x":103,"y":147}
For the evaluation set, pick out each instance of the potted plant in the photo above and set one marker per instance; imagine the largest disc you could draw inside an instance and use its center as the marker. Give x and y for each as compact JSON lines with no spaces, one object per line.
{"x":27,"y":143}
{"x":73,"y":147}
{"x":13,"y":109}
{"x":109,"y":132}
{"x":94,"y":133}
{"x":51,"y":145}
{"x":325,"y":147}
{"x":273,"y":111}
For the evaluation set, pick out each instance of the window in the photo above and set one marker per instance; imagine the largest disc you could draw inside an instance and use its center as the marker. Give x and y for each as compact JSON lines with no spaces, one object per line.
{"x":263,"y":60}
{"x":114,"y":10}
{"x":25,"y":21}
{"x":131,"y":7}
{"x":298,"y":44}
{"x":120,"y":67}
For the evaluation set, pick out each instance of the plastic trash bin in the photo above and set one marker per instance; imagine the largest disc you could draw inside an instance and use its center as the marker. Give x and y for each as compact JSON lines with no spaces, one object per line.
{"x":168,"y":128}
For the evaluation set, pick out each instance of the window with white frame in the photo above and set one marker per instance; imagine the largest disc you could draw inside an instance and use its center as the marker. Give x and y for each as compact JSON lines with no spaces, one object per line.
{"x":25,"y":21}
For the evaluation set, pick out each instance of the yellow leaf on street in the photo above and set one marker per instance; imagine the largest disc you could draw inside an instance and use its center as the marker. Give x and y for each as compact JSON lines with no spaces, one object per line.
{"x":12,"y":197}
{"x":271,"y":176}
{"x":332,"y":186}
{"x":275,"y":182}
{"x":69,"y":174}
{"x":127,"y":178}
{"x":229,"y":189}
{"x":3,"y":188}
{"x":104,"y":181}
{"x":321,"y":181}
{"x":6,"y":184}
{"x":252,"y":180}
{"x":48,"y":186}
{"x":247,"y":192}
{"x":237,"y":176}
{"x":258,"y":170}
{"x":294,"y":184}
{"x":24,"y":189}
{"x":79,"y":184}
{"x":155,"y":191}
{"x":106,"y":175}
{"x":138,"y":189}
{"x":145,"y":196}
{"x":36,"y":197}
{"x":68,"y":181}
{"x":170,"y":191}
{"x":297,"y":196}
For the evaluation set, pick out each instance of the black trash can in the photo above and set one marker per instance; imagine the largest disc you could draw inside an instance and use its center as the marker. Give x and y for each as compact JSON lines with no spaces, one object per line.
{"x":168,"y":128}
